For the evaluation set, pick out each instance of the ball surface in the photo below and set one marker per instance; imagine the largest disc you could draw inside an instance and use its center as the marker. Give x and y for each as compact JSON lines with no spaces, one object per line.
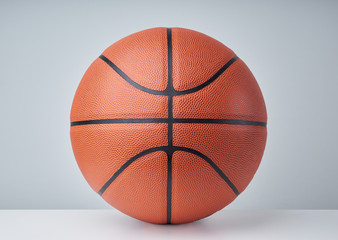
{"x":168,"y":125}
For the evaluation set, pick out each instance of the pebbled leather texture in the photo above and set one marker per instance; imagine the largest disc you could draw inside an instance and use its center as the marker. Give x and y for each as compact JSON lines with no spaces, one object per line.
{"x":103,"y":94}
{"x":197,"y":190}
{"x":147,"y":51}
{"x":198,"y":58}
{"x":100,"y":150}
{"x":140,"y":190}
{"x":173,"y":182}
{"x":234,"y":95}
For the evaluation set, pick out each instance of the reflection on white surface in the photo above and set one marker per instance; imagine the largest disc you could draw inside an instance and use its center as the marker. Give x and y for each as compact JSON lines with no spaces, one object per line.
{"x":111,"y":224}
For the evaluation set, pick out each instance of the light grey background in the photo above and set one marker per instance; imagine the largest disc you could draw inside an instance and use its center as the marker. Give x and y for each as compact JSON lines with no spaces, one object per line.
{"x":290,"y":46}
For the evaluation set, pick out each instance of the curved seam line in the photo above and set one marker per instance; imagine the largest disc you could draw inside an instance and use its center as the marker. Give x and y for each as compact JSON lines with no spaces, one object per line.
{"x":166,"y":149}
{"x":165,"y":92}
{"x":128,"y":79}
{"x":126,"y":164}
{"x":208,"y":82}
{"x":212,"y":164}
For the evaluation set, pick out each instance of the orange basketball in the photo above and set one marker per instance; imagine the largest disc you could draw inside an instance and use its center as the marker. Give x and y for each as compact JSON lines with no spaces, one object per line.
{"x":168,"y":125}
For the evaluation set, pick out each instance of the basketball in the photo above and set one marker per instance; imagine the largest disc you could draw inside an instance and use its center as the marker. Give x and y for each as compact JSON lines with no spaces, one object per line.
{"x":168,"y":125}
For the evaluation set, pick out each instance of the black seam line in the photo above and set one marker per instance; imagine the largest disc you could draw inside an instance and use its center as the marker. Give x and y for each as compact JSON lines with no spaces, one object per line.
{"x":213,"y":78}
{"x":169,"y":184}
{"x":220,"y":121}
{"x":126,"y":164}
{"x":170,"y":88}
{"x":169,"y":151}
{"x":166,"y":120}
{"x":212,"y":164}
{"x":128,"y":79}
{"x":168,"y":91}
{"x":121,"y":120}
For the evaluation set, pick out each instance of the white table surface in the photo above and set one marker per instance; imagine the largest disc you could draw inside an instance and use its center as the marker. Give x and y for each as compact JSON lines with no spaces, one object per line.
{"x":111,"y":224}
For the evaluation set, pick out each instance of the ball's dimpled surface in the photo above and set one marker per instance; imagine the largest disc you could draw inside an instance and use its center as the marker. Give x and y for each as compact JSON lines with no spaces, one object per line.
{"x":168,"y":184}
